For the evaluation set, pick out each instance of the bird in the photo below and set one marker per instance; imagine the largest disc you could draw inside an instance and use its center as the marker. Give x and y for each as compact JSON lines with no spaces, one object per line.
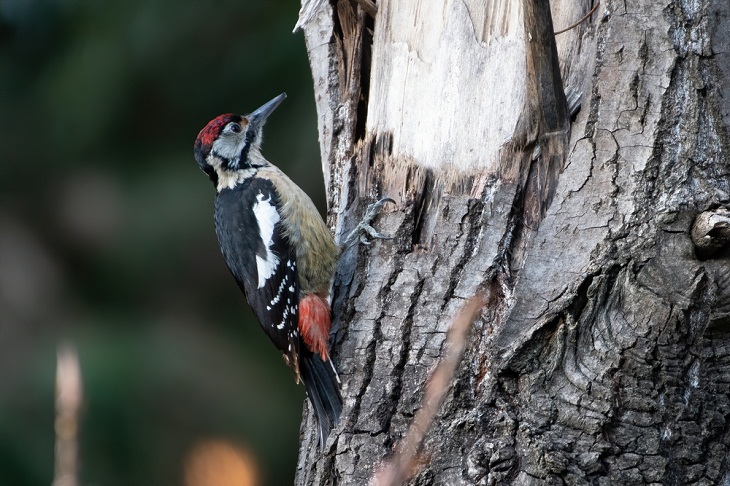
{"x":279,"y":250}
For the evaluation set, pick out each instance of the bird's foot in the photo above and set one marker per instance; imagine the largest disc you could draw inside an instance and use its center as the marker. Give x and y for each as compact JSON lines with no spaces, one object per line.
{"x":364,"y":232}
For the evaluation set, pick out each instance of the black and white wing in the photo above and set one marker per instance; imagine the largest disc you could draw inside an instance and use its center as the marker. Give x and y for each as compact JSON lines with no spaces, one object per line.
{"x":262,"y":261}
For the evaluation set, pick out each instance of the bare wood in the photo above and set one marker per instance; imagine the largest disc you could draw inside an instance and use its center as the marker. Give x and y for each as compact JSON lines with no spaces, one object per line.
{"x":311,"y":8}
{"x":711,"y":231}
{"x":369,"y":6}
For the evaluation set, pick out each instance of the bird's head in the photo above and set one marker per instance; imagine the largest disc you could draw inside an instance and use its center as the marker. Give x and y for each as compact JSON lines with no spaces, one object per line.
{"x":231,"y":143}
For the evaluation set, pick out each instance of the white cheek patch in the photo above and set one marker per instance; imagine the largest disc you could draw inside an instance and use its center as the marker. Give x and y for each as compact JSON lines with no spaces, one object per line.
{"x":267,"y":217}
{"x":229,"y":148}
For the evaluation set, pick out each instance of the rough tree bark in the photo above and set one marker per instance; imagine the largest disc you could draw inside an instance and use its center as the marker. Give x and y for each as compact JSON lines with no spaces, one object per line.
{"x":604,"y":356}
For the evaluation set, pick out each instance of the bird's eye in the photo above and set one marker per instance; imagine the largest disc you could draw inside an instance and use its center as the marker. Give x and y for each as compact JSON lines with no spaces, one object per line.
{"x":234,"y":127}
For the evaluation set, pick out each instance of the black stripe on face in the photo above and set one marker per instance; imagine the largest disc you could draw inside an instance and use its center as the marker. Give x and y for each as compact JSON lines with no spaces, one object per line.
{"x":251,"y":135}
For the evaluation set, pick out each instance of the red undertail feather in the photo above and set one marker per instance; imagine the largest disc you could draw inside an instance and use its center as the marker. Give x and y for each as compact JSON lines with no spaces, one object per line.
{"x":314,"y":324}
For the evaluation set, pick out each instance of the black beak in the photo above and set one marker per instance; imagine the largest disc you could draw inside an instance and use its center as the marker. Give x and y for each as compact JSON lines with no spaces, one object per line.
{"x":258,"y":117}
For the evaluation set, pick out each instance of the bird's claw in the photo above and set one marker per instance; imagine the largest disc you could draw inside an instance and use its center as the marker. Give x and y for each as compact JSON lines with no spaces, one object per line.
{"x":367,"y":233}
{"x":374,"y":209}
{"x":364,"y":231}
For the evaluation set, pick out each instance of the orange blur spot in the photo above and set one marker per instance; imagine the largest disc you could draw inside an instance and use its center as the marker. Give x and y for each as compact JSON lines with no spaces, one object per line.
{"x":220,"y":463}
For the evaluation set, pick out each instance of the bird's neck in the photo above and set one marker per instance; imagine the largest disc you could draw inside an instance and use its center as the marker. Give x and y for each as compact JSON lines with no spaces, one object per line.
{"x":228,"y":178}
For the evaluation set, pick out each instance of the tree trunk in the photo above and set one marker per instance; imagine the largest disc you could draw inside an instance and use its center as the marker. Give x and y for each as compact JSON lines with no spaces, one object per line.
{"x":603,"y":357}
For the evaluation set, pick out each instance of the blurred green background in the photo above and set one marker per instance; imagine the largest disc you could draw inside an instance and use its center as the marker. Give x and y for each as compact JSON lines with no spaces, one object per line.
{"x":107,"y":239}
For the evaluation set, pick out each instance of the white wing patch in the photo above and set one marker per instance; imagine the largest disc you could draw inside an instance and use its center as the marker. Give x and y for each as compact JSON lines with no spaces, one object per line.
{"x":267,"y":216}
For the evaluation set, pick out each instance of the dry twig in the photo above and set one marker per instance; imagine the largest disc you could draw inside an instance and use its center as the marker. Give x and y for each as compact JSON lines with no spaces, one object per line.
{"x":68,"y":404}
{"x":401,"y":466}
{"x":581,"y":20}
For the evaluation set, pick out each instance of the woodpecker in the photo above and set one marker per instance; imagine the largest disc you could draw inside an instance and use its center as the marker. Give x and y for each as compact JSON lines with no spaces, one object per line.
{"x":279,"y":250}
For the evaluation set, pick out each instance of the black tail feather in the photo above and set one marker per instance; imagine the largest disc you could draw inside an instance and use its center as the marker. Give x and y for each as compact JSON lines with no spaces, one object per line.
{"x":323,"y":390}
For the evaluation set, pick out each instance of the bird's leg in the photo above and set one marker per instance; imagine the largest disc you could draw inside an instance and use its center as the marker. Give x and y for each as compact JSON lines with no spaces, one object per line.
{"x":364,"y":231}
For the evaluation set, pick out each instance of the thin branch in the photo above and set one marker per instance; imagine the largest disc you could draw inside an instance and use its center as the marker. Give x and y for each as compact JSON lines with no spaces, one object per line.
{"x":69,"y":393}
{"x":581,"y":20}
{"x":401,"y":467}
